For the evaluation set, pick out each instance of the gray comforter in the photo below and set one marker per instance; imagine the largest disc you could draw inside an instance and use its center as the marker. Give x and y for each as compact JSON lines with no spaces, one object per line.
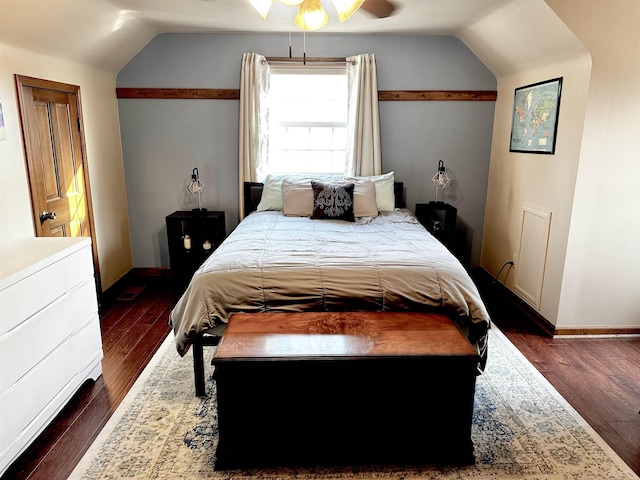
{"x":271,"y":262}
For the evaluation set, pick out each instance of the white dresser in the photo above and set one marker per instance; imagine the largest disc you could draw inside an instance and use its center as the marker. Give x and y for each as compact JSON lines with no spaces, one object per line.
{"x":50,"y":340}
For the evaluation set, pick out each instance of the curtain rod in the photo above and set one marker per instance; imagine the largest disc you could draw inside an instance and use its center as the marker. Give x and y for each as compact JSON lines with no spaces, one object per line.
{"x":304,"y":60}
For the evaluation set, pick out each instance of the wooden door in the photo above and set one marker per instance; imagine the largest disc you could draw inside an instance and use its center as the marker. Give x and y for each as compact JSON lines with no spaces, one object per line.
{"x":51,"y":121}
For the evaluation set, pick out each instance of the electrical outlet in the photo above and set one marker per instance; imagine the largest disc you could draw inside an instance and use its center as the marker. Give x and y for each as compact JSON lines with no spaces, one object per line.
{"x":514,"y":257}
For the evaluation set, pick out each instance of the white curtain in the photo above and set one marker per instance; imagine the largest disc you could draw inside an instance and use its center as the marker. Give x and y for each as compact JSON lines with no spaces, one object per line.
{"x":363,"y":118}
{"x":252,"y":149}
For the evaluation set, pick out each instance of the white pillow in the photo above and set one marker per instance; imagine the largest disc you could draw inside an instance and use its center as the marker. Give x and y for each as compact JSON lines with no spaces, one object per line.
{"x":271,"y":198}
{"x":297,"y":198}
{"x":385,"y":194}
{"x":364,"y":199}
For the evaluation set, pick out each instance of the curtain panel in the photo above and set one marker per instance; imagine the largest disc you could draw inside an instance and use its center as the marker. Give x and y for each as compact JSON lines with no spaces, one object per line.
{"x":363,"y":117}
{"x":253,"y":115}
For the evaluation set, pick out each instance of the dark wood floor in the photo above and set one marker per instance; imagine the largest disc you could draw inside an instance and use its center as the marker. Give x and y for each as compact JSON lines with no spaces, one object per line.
{"x":600,"y":377}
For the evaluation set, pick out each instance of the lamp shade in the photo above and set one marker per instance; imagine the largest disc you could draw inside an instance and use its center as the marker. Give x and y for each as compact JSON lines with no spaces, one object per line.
{"x":262,"y":6}
{"x":195,"y":188}
{"x":440,"y":179}
{"x":346,"y":8}
{"x":311,"y":15}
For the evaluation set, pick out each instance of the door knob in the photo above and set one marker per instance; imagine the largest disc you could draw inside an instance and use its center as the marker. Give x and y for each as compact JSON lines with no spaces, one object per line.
{"x":44,"y":216}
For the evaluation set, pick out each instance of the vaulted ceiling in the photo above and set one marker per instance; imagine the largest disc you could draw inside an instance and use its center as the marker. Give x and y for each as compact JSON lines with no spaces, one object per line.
{"x":106,"y":34}
{"x":410,"y":16}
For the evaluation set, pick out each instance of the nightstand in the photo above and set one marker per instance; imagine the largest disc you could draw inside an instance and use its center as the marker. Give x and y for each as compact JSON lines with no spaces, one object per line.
{"x":192,"y":237}
{"x":440,"y":220}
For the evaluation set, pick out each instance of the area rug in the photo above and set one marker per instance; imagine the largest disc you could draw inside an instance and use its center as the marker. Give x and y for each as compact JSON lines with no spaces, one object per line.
{"x":522,"y":429}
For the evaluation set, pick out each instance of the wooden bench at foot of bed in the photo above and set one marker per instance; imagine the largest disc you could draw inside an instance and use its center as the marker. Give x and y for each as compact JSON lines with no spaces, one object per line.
{"x":344,"y":388}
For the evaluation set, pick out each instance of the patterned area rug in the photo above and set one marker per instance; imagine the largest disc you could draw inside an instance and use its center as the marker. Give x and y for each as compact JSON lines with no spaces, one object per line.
{"x":522,"y":429}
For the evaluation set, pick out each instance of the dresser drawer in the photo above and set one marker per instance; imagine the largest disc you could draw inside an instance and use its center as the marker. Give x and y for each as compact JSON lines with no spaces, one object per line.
{"x":33,"y":401}
{"x":30,"y":342}
{"x":35,"y":291}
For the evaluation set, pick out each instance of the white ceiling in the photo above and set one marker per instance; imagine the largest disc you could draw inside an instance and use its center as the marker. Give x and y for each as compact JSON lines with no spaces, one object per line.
{"x":107,"y":33}
{"x":410,"y":16}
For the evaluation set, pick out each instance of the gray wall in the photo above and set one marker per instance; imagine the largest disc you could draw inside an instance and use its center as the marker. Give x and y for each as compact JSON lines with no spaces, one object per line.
{"x":163,"y":140}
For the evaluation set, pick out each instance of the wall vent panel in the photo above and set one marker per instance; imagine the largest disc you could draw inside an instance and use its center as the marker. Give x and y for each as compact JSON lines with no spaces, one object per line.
{"x":532,"y":254}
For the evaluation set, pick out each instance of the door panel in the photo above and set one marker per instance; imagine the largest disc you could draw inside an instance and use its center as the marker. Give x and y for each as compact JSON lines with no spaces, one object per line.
{"x":54,"y":148}
{"x":54,"y":117}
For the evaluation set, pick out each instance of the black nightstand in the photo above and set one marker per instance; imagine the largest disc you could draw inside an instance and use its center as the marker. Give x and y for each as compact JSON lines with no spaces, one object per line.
{"x":192,"y":237}
{"x":440,"y":219}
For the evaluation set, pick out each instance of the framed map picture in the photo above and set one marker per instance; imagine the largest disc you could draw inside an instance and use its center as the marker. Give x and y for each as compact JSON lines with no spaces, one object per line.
{"x":535,"y":117}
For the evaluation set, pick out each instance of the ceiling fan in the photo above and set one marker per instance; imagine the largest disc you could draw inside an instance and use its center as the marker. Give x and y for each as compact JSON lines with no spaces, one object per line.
{"x":311,"y":15}
{"x":379,"y":8}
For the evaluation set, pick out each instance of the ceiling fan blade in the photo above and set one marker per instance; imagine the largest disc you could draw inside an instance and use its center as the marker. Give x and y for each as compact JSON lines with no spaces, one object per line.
{"x":379,"y":8}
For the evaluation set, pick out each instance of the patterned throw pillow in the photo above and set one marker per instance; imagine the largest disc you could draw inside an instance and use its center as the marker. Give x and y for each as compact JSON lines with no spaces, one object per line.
{"x":332,"y":201}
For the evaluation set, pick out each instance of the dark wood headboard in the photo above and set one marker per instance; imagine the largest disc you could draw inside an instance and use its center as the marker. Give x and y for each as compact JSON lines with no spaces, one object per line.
{"x":253,"y":193}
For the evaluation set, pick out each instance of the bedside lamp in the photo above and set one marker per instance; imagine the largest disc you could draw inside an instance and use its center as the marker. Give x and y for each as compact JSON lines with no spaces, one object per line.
{"x":439,"y":217}
{"x":440,"y":180}
{"x":195,"y":189}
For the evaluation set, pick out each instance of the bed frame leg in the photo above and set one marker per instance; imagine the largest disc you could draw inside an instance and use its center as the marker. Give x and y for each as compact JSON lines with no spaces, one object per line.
{"x":198,"y":360}
{"x":198,"y":366}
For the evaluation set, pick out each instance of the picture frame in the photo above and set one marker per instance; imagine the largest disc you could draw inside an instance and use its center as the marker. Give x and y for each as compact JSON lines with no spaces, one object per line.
{"x":534,"y":122}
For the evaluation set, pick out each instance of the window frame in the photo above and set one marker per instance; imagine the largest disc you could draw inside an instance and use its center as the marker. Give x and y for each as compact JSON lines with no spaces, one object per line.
{"x":312,"y":166}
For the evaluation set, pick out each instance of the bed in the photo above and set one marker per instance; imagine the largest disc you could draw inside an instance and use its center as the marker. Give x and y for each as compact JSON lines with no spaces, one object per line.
{"x":274,"y":262}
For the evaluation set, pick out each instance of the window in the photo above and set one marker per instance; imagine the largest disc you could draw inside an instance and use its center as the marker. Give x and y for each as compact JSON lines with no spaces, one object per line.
{"x":307,"y":121}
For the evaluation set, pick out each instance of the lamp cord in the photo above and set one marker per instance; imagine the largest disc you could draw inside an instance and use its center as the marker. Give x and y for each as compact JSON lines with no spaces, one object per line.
{"x":502,"y":268}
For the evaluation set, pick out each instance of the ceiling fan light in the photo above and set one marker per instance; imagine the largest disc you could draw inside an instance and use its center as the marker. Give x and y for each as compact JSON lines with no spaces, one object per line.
{"x":262,"y":6}
{"x":346,"y":8}
{"x":311,"y":15}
